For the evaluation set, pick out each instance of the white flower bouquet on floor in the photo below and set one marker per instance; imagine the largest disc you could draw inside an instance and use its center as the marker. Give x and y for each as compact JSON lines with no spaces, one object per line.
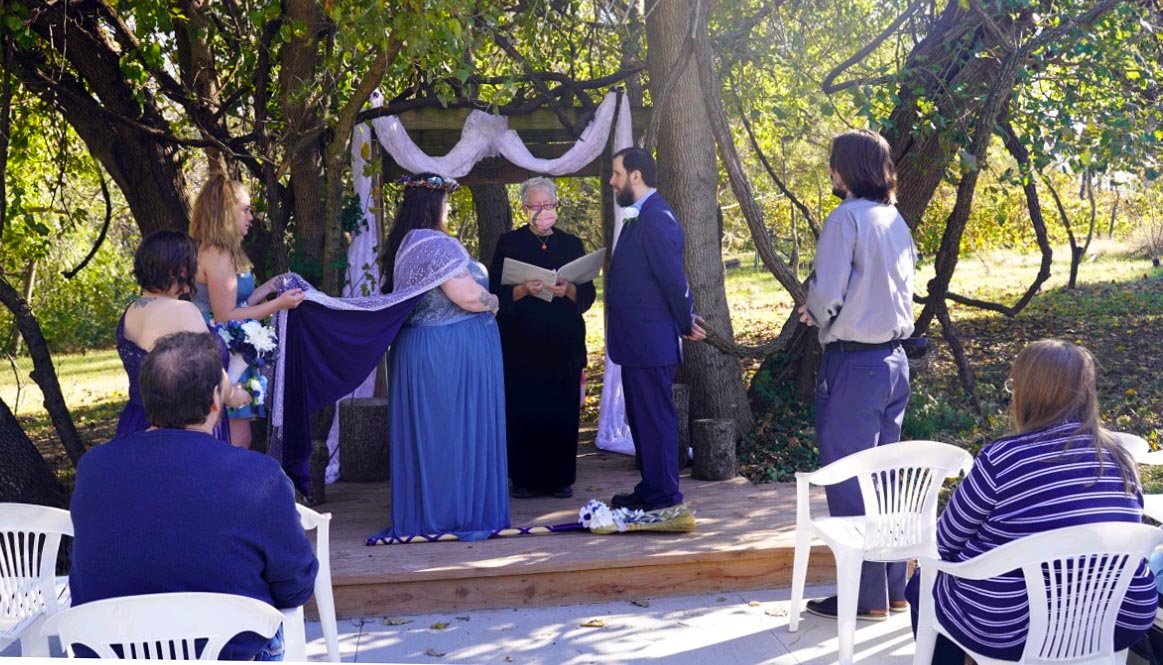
{"x":598,"y":518}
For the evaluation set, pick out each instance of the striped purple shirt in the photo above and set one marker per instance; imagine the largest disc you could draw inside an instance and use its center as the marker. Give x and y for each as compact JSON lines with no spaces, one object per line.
{"x":1019,"y":486}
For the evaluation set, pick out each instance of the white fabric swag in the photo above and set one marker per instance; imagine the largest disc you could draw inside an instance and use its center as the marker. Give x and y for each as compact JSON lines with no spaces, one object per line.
{"x":483,"y":135}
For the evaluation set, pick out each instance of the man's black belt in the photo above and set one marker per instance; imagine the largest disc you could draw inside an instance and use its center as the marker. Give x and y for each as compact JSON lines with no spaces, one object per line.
{"x":850,"y":347}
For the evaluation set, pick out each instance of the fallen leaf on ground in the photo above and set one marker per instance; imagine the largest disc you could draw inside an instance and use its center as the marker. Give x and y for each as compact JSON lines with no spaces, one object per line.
{"x":439,"y":626}
{"x":392,"y":621}
{"x":464,"y":618}
{"x":721,"y":599}
{"x":434,"y":653}
{"x":594,"y":623}
{"x":754,"y":603}
{"x":508,"y":659}
{"x":640,"y":603}
{"x":776,"y":612}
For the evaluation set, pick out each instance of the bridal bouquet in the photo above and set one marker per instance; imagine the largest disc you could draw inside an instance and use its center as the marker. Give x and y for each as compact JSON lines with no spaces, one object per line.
{"x":250,"y":343}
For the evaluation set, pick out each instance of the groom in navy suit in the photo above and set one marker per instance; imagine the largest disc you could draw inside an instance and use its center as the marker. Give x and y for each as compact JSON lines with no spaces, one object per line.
{"x":648,"y":308}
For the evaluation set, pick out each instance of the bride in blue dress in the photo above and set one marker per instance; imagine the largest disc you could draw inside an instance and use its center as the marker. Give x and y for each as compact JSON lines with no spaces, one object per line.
{"x":446,"y":381}
{"x":226,"y":289}
{"x":164,"y":266}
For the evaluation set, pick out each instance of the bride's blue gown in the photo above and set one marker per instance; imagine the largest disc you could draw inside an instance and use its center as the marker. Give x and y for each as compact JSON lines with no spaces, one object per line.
{"x":447,"y":422}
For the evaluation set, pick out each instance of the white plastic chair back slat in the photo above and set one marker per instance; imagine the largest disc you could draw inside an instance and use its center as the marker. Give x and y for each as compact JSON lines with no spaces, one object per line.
{"x":324,"y":596}
{"x":900,"y":504}
{"x":30,"y":539}
{"x":900,"y":483}
{"x":1076,"y":580}
{"x":165,"y":626}
{"x":1138,"y":447}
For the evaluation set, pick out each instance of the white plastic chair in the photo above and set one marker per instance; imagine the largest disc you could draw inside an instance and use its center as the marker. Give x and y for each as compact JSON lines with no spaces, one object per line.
{"x":162,"y":626}
{"x":1073,"y":619}
{"x":1139,"y":449}
{"x":30,"y":539}
{"x":899,"y":483}
{"x":294,"y":631}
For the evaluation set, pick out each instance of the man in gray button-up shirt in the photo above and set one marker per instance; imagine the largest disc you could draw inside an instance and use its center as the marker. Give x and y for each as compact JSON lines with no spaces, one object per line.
{"x":861,"y":300}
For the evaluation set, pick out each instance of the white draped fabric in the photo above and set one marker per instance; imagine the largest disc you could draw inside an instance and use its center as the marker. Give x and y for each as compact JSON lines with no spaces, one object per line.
{"x":487,"y":135}
{"x":483,"y":135}
{"x":613,"y":430}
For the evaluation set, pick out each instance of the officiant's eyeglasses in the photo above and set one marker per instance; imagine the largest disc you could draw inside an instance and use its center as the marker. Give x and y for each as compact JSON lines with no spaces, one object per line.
{"x":540,"y":206}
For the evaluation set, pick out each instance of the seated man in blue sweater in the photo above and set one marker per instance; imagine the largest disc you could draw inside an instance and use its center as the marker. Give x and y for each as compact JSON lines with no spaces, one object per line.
{"x":173,"y":509}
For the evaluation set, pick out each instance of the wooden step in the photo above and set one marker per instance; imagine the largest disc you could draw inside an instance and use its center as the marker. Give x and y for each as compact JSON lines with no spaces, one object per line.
{"x":744,"y":540}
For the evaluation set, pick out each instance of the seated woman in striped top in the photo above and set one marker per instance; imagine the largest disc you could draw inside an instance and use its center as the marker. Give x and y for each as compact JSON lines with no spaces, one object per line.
{"x":1060,"y":469}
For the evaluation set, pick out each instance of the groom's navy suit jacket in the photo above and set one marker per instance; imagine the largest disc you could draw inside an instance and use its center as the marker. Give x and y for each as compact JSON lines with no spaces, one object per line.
{"x":647,"y":299}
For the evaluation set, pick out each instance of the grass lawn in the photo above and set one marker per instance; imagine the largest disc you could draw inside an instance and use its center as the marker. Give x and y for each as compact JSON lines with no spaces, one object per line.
{"x":1117,"y":312}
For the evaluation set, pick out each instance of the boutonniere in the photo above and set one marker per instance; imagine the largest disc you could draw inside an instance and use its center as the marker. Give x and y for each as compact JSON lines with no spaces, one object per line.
{"x":629,"y":215}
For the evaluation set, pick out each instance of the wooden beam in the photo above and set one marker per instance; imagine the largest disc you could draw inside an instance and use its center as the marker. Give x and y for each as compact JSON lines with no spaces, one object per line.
{"x":451,"y":120}
{"x":665,"y":576}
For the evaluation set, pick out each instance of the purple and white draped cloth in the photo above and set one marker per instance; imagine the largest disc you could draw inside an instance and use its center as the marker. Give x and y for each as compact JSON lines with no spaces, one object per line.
{"x":328,"y":345}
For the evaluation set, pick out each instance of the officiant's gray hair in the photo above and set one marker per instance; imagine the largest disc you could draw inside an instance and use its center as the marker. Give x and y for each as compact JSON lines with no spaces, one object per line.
{"x":538,"y":183}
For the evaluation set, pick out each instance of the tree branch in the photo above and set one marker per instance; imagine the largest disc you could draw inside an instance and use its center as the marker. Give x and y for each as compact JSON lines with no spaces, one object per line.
{"x":536,"y":79}
{"x":991,"y":26}
{"x":808,"y":216}
{"x":43,"y":372}
{"x":69,"y":274}
{"x":829,"y":87}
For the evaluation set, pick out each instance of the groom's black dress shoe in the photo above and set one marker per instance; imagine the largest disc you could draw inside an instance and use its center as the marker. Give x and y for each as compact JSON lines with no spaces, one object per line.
{"x":630,"y":500}
{"x":635,"y":502}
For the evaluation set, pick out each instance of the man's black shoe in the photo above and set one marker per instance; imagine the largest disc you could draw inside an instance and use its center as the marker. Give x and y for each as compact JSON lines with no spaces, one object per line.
{"x":563,"y":492}
{"x":634,"y":502}
{"x":630,"y":500}
{"x":827,"y":607}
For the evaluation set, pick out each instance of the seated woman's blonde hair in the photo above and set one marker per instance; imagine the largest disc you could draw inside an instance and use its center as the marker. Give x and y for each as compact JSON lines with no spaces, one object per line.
{"x":1055,"y":382}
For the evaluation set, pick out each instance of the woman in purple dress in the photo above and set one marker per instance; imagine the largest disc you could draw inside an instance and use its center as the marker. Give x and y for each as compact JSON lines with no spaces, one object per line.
{"x":165,"y":265}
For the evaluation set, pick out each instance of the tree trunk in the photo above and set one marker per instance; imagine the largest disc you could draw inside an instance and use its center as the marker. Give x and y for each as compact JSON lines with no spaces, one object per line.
{"x":298,"y":86}
{"x":24,"y":475}
{"x":687,"y":174}
{"x":494,"y":217}
{"x":1110,"y":231}
{"x":196,"y":62}
{"x":43,"y":372}
{"x":1076,"y":254}
{"x":714,"y":443}
{"x":946,"y":60}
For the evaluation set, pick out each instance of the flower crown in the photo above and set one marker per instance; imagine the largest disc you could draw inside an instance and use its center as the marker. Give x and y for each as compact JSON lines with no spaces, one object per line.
{"x":431,"y":182}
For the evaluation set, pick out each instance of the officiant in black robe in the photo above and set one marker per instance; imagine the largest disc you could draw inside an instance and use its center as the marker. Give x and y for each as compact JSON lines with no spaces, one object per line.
{"x":544,"y":349}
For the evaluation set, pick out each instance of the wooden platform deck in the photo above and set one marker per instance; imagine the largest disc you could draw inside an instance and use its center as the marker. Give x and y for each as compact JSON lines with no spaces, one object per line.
{"x":744,"y":540}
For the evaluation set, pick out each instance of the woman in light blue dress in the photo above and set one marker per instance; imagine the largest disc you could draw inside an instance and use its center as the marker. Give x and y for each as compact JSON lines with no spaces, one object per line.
{"x":225,"y":288}
{"x":446,"y":381}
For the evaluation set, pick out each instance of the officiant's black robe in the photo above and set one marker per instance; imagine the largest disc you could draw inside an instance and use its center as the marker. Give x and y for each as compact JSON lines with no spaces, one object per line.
{"x":544,"y":348}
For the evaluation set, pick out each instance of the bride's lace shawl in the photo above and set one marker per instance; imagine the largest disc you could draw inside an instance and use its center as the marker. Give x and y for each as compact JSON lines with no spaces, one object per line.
{"x":426,"y":259}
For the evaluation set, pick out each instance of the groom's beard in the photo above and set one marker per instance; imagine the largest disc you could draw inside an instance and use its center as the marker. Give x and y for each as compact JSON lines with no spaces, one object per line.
{"x":624,"y":197}
{"x":839,"y":192}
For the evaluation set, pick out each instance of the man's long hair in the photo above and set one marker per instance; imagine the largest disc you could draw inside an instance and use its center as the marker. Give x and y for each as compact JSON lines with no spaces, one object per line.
{"x":864,"y":162}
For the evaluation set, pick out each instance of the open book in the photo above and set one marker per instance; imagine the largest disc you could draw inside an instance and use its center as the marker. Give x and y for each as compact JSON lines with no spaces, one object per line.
{"x":578,"y":271}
